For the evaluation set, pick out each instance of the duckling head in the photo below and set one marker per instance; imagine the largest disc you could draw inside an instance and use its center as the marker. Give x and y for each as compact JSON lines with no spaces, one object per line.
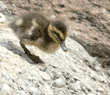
{"x":58,"y":32}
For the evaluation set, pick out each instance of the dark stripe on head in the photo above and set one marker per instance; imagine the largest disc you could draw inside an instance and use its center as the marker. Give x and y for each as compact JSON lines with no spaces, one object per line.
{"x":61,"y":27}
{"x":58,"y":33}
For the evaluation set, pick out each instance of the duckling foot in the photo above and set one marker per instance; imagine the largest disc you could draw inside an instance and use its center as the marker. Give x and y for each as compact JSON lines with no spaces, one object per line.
{"x":35,"y":59}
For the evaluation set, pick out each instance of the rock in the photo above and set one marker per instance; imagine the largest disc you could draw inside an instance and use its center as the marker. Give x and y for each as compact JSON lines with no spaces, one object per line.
{"x":100,"y":90}
{"x":42,"y":67}
{"x":66,"y":75}
{"x":45,"y":76}
{"x":2,"y":6}
{"x":6,"y":89}
{"x":54,"y":75}
{"x":22,"y":93}
{"x":72,"y":80}
{"x":18,"y":70}
{"x":53,"y":17}
{"x":97,"y":68}
{"x":59,"y":83}
{"x":108,"y":72}
{"x":100,"y":79}
{"x":13,"y":5}
{"x":90,"y":94}
{"x":75,"y":86}
{"x":87,"y":88}
{"x":33,"y":91}
{"x":84,"y":89}
{"x":46,"y":90}
{"x":76,"y":77}
{"x":0,"y":58}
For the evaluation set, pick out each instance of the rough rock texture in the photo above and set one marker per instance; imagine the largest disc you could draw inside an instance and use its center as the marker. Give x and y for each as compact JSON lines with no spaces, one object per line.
{"x":68,"y":73}
{"x":71,"y":73}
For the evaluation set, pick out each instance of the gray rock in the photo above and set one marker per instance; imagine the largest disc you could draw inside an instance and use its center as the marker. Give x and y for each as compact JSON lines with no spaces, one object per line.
{"x":46,"y":90}
{"x":33,"y":91}
{"x":18,"y":70}
{"x":6,"y":89}
{"x":22,"y":93}
{"x":100,"y":79}
{"x":66,"y":75}
{"x":108,"y":72}
{"x":45,"y":76}
{"x":87,"y":88}
{"x":13,"y":5}
{"x":100,"y":90}
{"x":53,"y":17}
{"x":76,"y":77}
{"x":2,"y":5}
{"x":59,"y":83}
{"x":72,"y":80}
{"x":91,"y":94}
{"x":97,"y":68}
{"x":75,"y":86}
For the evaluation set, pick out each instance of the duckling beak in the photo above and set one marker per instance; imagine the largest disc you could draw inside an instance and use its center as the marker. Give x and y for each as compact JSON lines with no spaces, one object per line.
{"x":63,"y":46}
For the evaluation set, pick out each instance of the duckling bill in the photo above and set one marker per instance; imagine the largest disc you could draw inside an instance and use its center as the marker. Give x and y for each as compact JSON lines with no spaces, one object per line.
{"x":35,"y":29}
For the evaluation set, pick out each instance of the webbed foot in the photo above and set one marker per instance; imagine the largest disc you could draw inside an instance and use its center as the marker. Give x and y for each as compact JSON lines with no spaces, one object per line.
{"x":35,"y":59}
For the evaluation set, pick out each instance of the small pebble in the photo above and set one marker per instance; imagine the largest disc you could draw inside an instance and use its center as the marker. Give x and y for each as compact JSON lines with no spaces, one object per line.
{"x":108,"y":72}
{"x":97,"y":68}
{"x":53,"y":17}
{"x":6,"y":88}
{"x":75,"y":86}
{"x":87,"y":88}
{"x":18,"y":70}
{"x":22,"y":93}
{"x":33,"y":90}
{"x":100,"y":90}
{"x":13,"y":5}
{"x":100,"y":79}
{"x":45,"y":76}
{"x":66,"y":75}
{"x":46,"y":90}
{"x":90,"y":94}
{"x":76,"y":77}
{"x":42,"y":67}
{"x":59,"y":83}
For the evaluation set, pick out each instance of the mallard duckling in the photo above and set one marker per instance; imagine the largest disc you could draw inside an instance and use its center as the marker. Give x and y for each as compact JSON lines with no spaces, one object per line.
{"x":35,"y":29}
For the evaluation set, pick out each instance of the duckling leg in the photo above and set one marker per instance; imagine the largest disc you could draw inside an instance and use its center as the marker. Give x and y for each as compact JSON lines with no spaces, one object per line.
{"x":34,"y":58}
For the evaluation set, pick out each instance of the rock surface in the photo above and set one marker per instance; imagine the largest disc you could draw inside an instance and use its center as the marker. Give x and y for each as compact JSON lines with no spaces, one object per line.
{"x":68,"y":73}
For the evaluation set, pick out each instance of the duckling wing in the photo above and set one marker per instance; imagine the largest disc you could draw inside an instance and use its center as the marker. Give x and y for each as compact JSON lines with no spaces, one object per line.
{"x":33,"y":24}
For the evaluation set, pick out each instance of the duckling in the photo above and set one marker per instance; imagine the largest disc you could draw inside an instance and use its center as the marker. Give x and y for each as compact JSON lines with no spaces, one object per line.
{"x":35,"y":29}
